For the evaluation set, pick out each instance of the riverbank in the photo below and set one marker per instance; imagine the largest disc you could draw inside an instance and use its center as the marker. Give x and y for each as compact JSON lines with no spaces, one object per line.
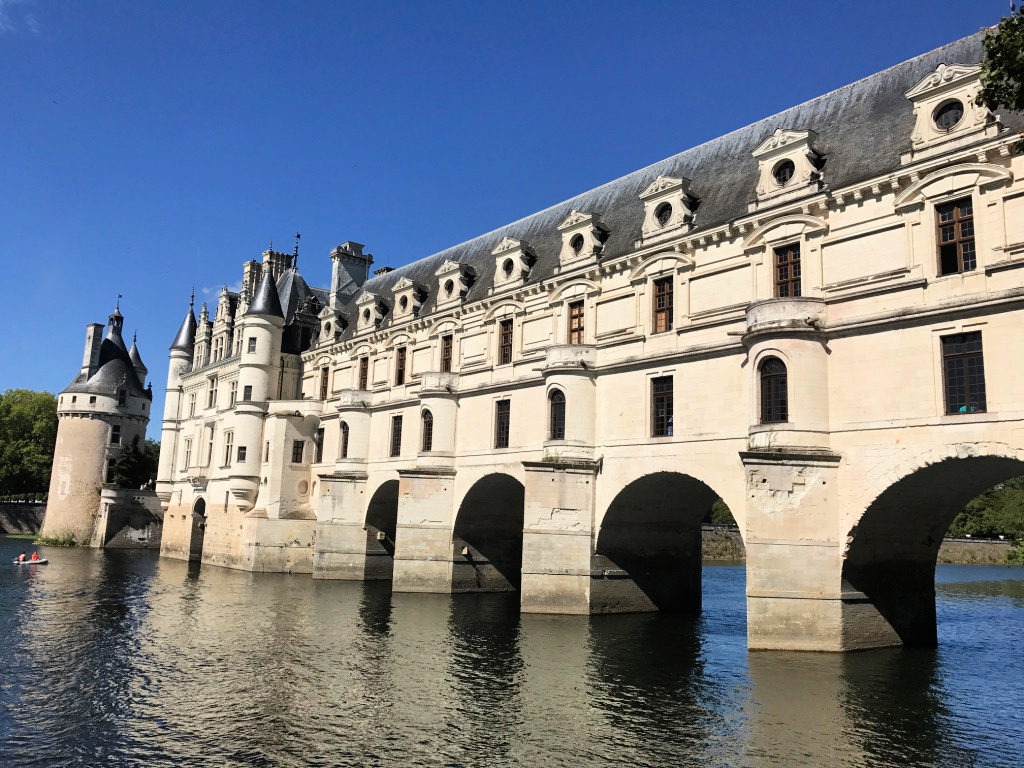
{"x":727,"y":544}
{"x":24,"y":518}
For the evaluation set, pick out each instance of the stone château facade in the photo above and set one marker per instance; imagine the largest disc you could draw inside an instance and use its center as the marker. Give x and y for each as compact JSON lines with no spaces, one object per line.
{"x":813,"y":317}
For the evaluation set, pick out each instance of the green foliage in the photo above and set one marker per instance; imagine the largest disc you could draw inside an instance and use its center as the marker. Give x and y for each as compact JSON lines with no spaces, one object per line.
{"x":135,"y":466}
{"x":1016,"y":555}
{"x":65,"y":539}
{"x":999,"y":510}
{"x":28,"y":433}
{"x":1002,"y":72}
{"x":719,"y":514}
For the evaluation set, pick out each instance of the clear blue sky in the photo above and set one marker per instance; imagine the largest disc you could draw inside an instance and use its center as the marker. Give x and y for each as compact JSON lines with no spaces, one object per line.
{"x":148,"y":147}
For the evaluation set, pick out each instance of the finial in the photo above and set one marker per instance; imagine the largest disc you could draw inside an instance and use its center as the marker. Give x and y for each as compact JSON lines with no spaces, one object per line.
{"x":296,"y":252}
{"x":135,"y":336}
{"x":117,"y":304}
{"x":192,"y":298}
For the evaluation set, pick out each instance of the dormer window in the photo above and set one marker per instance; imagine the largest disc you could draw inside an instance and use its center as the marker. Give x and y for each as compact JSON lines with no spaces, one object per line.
{"x":371,"y":312}
{"x":449,"y":286}
{"x":409,"y":297}
{"x":403,"y":303}
{"x":582,"y":236}
{"x":790,"y":167}
{"x":513,"y":260}
{"x":668,"y":209}
{"x":454,"y":280}
{"x":946,"y":111}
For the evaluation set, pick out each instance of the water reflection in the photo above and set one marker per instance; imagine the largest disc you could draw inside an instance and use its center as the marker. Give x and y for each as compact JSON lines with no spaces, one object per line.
{"x":121,"y":659}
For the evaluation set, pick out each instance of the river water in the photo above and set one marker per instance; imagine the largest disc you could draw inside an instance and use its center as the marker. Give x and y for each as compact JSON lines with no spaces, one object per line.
{"x":125,"y":659}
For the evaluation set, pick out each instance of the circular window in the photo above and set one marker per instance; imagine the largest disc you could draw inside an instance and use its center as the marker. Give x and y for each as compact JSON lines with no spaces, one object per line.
{"x":404,"y":303}
{"x":507,"y":267}
{"x":366,"y":314}
{"x":449,"y":286}
{"x":663,"y":213}
{"x":576,"y":243}
{"x":784,"y":171}
{"x":948,"y":115}
{"x":303,"y":487}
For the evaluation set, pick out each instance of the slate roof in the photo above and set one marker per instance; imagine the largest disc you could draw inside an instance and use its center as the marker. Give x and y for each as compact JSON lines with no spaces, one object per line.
{"x":266,"y":301}
{"x":186,"y":338}
{"x":862,"y":128}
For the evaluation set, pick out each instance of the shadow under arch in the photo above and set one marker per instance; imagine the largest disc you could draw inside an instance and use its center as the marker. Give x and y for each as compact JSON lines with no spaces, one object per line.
{"x":198,"y":533}
{"x":381,"y":522}
{"x":888,"y":570}
{"x":648,"y":551}
{"x":487,"y":540}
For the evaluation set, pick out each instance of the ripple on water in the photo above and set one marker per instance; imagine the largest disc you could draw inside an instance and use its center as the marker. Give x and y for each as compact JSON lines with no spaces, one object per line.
{"x":123,"y":659}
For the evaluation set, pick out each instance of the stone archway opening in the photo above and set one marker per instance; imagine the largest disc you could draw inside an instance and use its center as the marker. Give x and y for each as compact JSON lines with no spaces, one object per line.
{"x":381,"y":522}
{"x":487,"y":540}
{"x":888,"y":569}
{"x":198,"y":533}
{"x":648,"y":551}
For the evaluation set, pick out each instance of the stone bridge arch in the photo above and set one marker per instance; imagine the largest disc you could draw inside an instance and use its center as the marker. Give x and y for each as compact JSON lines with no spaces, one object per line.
{"x":647,"y":546}
{"x":890,"y":549}
{"x":487,"y":536}
{"x":381,"y":522}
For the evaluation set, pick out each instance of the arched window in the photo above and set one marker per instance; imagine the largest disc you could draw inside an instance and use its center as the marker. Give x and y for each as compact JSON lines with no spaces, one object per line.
{"x":774,"y":398}
{"x":428,"y":431}
{"x":344,"y":441}
{"x":556,"y":401}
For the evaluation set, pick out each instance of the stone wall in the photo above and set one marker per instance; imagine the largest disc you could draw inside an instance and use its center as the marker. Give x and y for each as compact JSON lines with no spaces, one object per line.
{"x":18,"y":517}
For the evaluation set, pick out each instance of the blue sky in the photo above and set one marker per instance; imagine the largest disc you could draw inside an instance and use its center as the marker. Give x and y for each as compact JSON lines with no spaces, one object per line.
{"x":148,"y":147}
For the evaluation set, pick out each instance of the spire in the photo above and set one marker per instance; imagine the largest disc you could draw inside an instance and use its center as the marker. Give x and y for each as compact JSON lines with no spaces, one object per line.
{"x":186,"y":338}
{"x":266,"y":301}
{"x":136,"y":358}
{"x":295,"y":254}
{"x":114,"y":325}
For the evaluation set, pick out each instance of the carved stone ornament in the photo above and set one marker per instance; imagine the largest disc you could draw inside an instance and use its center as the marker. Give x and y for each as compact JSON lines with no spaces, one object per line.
{"x":575,"y":218}
{"x":944,"y":76}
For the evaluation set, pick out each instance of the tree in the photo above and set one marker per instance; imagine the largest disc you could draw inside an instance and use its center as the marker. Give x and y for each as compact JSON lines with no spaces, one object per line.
{"x":135,"y":466}
{"x":1002,"y":72}
{"x":28,"y":433}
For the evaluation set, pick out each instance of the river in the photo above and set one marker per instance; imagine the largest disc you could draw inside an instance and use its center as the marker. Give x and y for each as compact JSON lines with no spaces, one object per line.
{"x":110,"y":659}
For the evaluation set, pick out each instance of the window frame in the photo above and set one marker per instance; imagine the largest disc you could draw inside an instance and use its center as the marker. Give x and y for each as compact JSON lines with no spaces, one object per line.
{"x":667,"y":297}
{"x":298,"y":451}
{"x":325,"y":380}
{"x":959,"y":240}
{"x":400,"y":361}
{"x":773,"y":409}
{"x":229,"y":447}
{"x":426,"y":431}
{"x":556,"y":414}
{"x":364,"y":372}
{"x":962,"y":360}
{"x":506,"y":334}
{"x":576,"y":313}
{"x":343,"y":428}
{"x":396,"y":435}
{"x":502,"y":422}
{"x":447,"y":350}
{"x":792,"y":265}
{"x":662,"y":425}
{"x":318,"y":446}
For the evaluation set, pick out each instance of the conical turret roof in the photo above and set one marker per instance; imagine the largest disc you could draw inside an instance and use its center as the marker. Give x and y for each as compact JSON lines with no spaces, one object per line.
{"x":136,"y":358}
{"x":186,"y":338}
{"x":266,"y":301}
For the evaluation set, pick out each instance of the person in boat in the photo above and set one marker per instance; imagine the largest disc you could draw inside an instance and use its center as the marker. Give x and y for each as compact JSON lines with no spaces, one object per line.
{"x":21,"y":558}
{"x":35,"y":555}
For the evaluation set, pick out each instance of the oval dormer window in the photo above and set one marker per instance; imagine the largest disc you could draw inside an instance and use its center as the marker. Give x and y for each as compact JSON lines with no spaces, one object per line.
{"x":663,"y":213}
{"x":507,"y":266}
{"x":784,"y":172}
{"x":404,"y":303}
{"x":576,"y":243}
{"x":948,"y":115}
{"x":366,"y":314}
{"x":449,"y":286}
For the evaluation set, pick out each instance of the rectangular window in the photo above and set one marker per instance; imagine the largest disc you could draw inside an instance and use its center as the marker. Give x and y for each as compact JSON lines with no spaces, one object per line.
{"x":447,"y":342}
{"x":229,"y":448}
{"x":115,"y":434}
{"x":396,"y":435}
{"x":122,"y":396}
{"x":663,"y":305}
{"x":297,"y":448}
{"x":344,"y":440}
{"x":233,"y":394}
{"x":241,"y":454}
{"x":192,"y":404}
{"x":247,"y":393}
{"x":400,"y":365}
{"x":324,"y":380}
{"x":661,"y":406}
{"x":576,"y":322}
{"x":318,"y":446}
{"x":963,"y":373}
{"x":266,"y":451}
{"x":364,"y":372}
{"x":252,"y":344}
{"x":209,"y":446}
{"x":505,"y":341}
{"x":955,"y":221}
{"x":502,"y":418}
{"x":787,"y":271}
{"x":211,"y":393}
{"x":188,"y":452}
{"x":92,"y":399}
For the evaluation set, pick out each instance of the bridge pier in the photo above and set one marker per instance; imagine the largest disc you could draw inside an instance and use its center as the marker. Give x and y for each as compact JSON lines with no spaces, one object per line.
{"x":423,"y":539}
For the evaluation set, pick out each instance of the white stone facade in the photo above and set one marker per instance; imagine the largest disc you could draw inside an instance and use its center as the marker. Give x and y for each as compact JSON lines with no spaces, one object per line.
{"x":597,"y":375}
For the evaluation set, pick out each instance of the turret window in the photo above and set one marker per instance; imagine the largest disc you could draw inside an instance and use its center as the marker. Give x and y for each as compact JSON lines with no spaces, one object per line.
{"x":298,"y":447}
{"x":241,"y":454}
{"x":229,"y":439}
{"x":556,"y":405}
{"x":396,"y":435}
{"x":344,"y":441}
{"x":252,"y":344}
{"x":247,"y":393}
{"x":188,"y":452}
{"x":115,"y":434}
{"x":122,"y":396}
{"x":774,"y":391}
{"x":427,"y":420}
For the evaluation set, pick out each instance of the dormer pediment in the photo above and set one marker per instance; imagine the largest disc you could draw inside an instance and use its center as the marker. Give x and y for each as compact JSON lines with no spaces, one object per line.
{"x":371,"y":311}
{"x":789,"y":167}
{"x":583,"y":236}
{"x":409,"y":296}
{"x":513,"y":260}
{"x":668,"y":209}
{"x":453,"y":282}
{"x":944,"y":78}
